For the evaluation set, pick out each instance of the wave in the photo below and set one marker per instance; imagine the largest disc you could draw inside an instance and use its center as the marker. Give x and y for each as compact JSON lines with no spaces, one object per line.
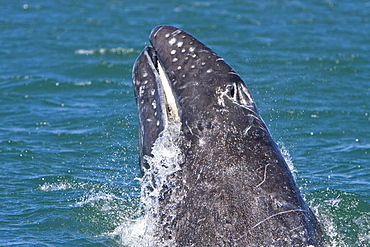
{"x":102,"y":51}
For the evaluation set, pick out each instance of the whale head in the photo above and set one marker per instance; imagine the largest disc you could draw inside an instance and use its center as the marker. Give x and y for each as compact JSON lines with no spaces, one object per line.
{"x":179,"y":79}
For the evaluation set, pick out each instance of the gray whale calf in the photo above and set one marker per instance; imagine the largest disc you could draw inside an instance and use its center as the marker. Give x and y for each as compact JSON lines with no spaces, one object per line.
{"x":212,"y":174}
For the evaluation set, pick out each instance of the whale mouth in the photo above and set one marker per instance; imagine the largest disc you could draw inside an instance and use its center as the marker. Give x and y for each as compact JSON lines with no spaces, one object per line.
{"x":170,"y":105}
{"x":162,"y":91}
{"x":156,"y":101}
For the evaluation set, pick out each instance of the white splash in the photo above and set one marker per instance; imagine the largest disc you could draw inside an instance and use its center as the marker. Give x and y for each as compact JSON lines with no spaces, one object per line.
{"x":96,"y":197}
{"x":288,"y":158}
{"x":130,"y":233}
{"x":55,"y":186}
{"x":165,"y":162}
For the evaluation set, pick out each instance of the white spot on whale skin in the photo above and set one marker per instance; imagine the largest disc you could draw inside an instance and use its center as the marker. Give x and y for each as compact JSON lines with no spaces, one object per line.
{"x":141,"y":91}
{"x":175,"y":60}
{"x":145,"y":74}
{"x":192,"y":67}
{"x":209,"y":71}
{"x":173,"y":52}
{"x":179,"y":44}
{"x":192,"y":49}
{"x":203,"y":63}
{"x":179,"y":68}
{"x":183,"y":51}
{"x":172,"y":41}
{"x":167,"y":35}
{"x":201,"y":142}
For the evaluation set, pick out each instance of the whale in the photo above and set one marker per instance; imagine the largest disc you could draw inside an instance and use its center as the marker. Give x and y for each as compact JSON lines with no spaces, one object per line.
{"x":212,"y":173}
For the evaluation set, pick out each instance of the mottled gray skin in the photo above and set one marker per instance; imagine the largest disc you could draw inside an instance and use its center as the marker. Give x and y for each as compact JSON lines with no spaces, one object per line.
{"x":150,"y":102}
{"x":236,"y":187}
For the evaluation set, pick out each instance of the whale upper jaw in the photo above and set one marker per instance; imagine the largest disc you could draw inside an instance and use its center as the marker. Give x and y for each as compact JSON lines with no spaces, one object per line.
{"x":199,"y":77}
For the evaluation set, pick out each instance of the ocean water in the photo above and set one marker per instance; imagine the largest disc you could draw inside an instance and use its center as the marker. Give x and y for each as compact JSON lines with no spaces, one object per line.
{"x":69,"y":170}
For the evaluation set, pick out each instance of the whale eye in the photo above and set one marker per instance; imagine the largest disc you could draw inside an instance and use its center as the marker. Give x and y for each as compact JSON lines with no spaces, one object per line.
{"x":231,"y":91}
